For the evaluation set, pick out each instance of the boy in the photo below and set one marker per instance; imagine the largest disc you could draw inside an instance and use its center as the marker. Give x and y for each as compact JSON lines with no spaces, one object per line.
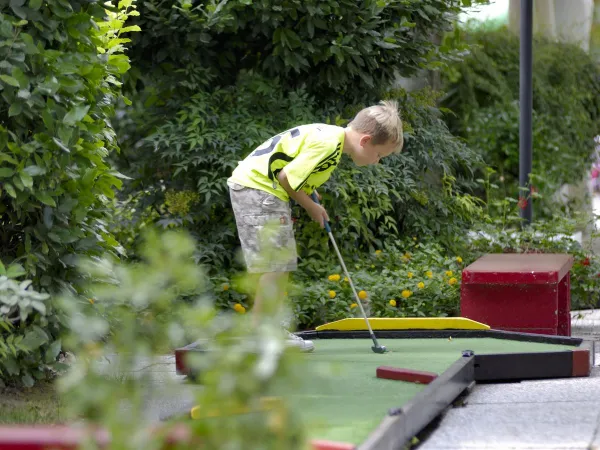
{"x":292,"y":165}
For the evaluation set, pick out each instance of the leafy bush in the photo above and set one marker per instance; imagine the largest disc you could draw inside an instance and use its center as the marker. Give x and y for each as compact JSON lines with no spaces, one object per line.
{"x":59,"y":78}
{"x":332,"y":48}
{"x":26,"y":349}
{"x":424,"y":191}
{"x":387,"y":280}
{"x":210,"y":84}
{"x":146,"y":296}
{"x":544,"y":236}
{"x":184,"y":164}
{"x":420,"y":192}
{"x":483,"y":94}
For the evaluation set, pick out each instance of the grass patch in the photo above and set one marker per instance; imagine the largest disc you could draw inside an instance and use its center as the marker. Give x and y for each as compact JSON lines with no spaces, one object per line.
{"x":38,"y":405}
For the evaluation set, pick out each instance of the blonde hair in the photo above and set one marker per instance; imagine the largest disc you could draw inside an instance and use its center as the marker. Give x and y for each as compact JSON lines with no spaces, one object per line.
{"x":382,"y":122}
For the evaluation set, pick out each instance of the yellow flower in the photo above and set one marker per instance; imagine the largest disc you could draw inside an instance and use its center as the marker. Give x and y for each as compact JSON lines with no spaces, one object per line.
{"x":452,"y":281}
{"x":414,"y":238}
{"x":406,"y":255}
{"x":346,"y":279}
{"x":378,"y":252}
{"x":239,"y":308}
{"x":91,"y":300}
{"x":429,"y":274}
{"x":334,"y":277}
{"x":459,"y":259}
{"x":392,"y":302}
{"x":93,"y":349}
{"x":421,"y":285}
{"x":409,"y":274}
{"x":406,"y":293}
{"x":448,"y":273}
{"x":362,"y":295}
{"x":331,"y":294}
{"x":225,"y":287}
{"x":353,"y":305}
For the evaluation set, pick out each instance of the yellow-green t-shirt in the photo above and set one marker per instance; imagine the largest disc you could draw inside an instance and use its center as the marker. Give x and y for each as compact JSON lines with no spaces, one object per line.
{"x":309,"y":154}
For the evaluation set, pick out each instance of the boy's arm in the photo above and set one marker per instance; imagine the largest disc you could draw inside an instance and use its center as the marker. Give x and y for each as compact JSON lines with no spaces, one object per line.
{"x":315,"y":211}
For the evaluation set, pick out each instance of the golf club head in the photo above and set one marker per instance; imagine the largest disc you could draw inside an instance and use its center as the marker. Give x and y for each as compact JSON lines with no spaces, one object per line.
{"x":379,"y":349}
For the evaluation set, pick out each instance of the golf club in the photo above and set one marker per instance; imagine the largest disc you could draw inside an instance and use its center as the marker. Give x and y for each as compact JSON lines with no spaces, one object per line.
{"x":376,"y":347}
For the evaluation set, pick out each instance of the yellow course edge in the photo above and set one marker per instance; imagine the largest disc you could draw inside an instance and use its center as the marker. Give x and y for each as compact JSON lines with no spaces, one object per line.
{"x":405,"y":323}
{"x":265,"y":404}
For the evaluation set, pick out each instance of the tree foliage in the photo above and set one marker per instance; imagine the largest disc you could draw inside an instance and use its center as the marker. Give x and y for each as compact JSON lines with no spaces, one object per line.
{"x":214,"y":80}
{"x":483,"y":93}
{"x":331,"y":47}
{"x":59,"y":79}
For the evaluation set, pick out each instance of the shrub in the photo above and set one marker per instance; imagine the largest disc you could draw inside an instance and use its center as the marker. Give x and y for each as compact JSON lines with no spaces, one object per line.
{"x":331,"y":48}
{"x":184,"y":164}
{"x":59,"y":78}
{"x":483,"y":95}
{"x":210,"y":84}
{"x":146,"y":296}
{"x":421,"y":192}
{"x":319,"y":291}
{"x":26,"y":347}
{"x":544,"y":236}
{"x":424,"y":191}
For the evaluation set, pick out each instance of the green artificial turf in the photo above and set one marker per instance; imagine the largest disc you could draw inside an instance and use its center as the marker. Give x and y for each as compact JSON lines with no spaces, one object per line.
{"x":345,"y":401}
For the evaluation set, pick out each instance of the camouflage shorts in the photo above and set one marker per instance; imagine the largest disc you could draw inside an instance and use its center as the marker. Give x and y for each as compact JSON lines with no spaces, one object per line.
{"x":265,"y":228}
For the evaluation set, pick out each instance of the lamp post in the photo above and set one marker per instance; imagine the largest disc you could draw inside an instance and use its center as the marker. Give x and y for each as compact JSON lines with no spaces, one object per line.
{"x":526,"y":107}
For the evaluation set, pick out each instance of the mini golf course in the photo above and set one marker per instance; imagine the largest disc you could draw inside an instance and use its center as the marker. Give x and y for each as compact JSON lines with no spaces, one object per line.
{"x":351,"y":407}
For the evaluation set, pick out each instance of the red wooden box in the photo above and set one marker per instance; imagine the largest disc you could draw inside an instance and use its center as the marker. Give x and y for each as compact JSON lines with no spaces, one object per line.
{"x":525,"y":292}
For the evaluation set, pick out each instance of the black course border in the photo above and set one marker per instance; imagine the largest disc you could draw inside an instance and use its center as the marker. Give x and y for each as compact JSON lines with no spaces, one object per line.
{"x":436,"y":334}
{"x":403,"y":423}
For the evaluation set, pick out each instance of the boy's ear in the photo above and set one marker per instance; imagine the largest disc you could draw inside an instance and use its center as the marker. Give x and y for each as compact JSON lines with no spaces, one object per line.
{"x":364,"y":139}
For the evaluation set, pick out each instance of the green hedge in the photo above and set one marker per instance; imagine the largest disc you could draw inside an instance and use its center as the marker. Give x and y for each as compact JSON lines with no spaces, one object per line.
{"x":209,"y":85}
{"x":483,"y":92}
{"x":59,"y":78}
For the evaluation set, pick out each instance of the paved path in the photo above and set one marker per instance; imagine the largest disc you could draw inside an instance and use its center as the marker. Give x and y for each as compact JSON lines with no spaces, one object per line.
{"x":534,"y":415}
{"x":540,"y":415}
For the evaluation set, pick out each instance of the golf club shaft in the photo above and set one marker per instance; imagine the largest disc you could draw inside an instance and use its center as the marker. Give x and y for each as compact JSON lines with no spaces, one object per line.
{"x":337,"y":251}
{"x":358,"y":301}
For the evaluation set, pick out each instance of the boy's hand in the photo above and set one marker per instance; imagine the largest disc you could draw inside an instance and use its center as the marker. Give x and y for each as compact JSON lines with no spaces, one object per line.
{"x":317,"y":213}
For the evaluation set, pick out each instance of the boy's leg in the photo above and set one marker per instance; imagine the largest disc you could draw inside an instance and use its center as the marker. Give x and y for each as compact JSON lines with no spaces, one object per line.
{"x":266,"y":235}
{"x":269,"y":291}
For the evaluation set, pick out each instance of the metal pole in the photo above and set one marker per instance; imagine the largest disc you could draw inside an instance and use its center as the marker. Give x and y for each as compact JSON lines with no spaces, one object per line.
{"x":526,"y":104}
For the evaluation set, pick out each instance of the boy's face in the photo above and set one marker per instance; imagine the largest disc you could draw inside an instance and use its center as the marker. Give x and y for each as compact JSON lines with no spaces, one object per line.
{"x":367,"y":153}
